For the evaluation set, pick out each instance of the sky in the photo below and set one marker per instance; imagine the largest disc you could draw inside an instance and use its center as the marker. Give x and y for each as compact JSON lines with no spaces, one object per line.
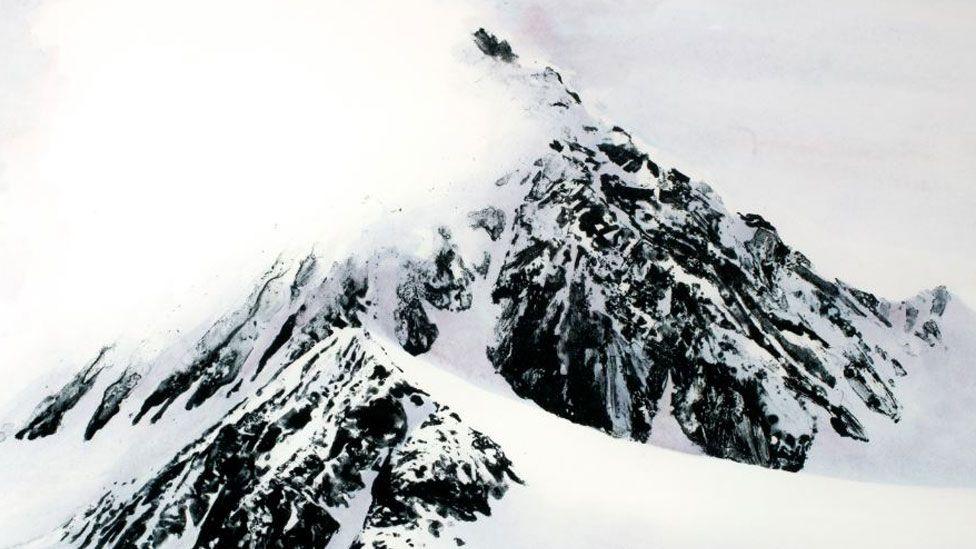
{"x":155,"y":155}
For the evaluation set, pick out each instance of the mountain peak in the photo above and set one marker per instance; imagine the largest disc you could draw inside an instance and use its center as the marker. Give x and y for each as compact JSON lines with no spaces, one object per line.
{"x":590,"y":280}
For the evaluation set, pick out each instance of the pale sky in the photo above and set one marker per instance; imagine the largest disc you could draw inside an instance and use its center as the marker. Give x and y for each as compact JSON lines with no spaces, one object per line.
{"x":153,"y":153}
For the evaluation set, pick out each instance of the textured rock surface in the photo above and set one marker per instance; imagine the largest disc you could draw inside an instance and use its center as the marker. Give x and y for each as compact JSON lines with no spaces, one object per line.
{"x":48,"y":415}
{"x":339,"y":429}
{"x":111,"y":401}
{"x":617,"y":275}
{"x":620,"y":276}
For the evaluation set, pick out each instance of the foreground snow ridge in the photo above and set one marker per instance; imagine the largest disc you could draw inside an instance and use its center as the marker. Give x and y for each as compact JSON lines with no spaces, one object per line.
{"x":592,"y":282}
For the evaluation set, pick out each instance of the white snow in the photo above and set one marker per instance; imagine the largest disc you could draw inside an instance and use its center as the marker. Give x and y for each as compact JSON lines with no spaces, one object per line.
{"x":935,"y":440}
{"x":584,"y":489}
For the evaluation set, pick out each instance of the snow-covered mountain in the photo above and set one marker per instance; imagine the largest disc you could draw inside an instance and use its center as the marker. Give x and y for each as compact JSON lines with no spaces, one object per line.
{"x":356,"y":399}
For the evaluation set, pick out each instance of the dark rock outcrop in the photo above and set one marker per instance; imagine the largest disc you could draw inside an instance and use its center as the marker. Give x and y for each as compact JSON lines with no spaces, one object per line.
{"x":493,"y":47}
{"x":111,"y":401}
{"x":636,"y":282}
{"x":49,"y":413}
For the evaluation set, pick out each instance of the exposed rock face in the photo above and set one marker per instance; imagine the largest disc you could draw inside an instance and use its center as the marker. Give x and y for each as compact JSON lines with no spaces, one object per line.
{"x":220,"y":355}
{"x":339,"y":435}
{"x":111,"y":401}
{"x":618,"y":278}
{"x":620,"y":275}
{"x":443,"y":282}
{"x":447,"y":279}
{"x":491,"y":219}
{"x":493,"y":47}
{"x":48,"y":414}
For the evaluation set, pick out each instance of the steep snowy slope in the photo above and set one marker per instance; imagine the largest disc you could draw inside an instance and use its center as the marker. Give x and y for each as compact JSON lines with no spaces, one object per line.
{"x":589,"y":282}
{"x":337,"y":449}
{"x":934,"y":440}
{"x":583,"y":489}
